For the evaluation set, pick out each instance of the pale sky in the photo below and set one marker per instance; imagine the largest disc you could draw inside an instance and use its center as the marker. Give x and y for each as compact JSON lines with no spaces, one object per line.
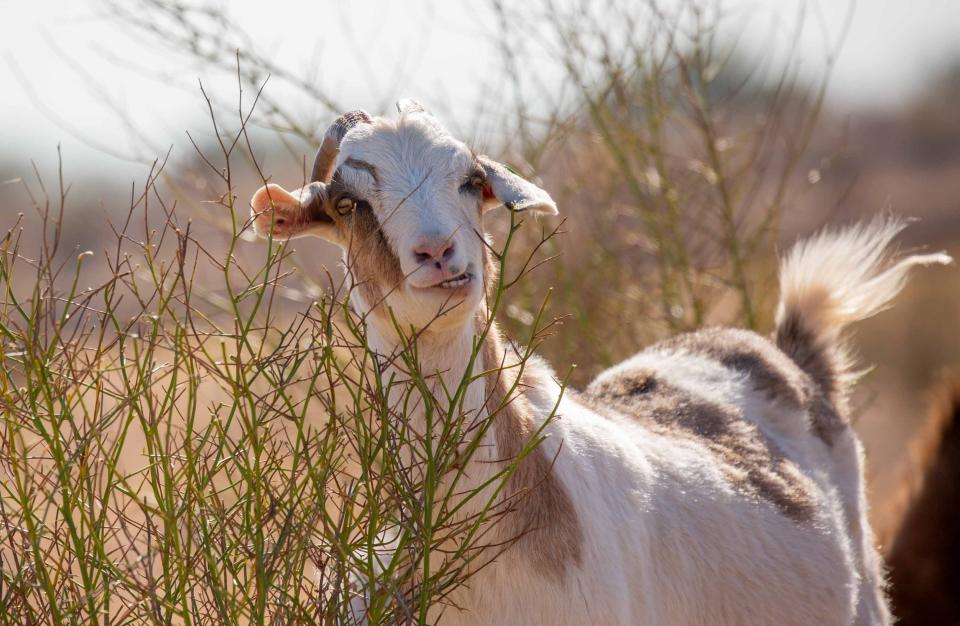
{"x":75,"y":58}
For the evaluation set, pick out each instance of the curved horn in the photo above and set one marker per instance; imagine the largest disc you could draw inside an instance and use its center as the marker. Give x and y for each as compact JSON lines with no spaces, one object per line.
{"x":407,"y":106}
{"x":330,"y":146}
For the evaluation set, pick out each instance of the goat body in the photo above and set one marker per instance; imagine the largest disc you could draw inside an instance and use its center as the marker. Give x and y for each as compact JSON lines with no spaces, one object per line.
{"x":713,"y":478}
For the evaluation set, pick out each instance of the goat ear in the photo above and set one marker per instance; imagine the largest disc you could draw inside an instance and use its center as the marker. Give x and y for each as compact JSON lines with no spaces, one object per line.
{"x":408,"y":105}
{"x":288,"y":215}
{"x":503,"y":187}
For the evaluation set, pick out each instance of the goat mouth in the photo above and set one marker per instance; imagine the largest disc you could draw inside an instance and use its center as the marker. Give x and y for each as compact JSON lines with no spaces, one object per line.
{"x":456,"y":282}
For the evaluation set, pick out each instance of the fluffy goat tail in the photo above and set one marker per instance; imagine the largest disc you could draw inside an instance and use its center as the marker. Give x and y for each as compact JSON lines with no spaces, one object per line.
{"x":833,"y":279}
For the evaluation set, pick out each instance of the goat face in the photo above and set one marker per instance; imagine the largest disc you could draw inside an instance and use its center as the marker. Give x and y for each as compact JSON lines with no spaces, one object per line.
{"x":404,"y":200}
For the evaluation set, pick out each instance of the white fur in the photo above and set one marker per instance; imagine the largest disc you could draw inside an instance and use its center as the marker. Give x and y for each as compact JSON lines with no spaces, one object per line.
{"x":831,"y":280}
{"x":666,"y":538}
{"x":667,"y":541}
{"x":836,"y":278}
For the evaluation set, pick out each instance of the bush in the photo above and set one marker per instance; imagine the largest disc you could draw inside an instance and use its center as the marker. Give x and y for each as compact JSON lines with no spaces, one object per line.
{"x":202,"y":437}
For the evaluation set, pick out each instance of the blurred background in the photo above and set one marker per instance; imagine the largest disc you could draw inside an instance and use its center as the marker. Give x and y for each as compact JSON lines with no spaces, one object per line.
{"x":686,"y":143}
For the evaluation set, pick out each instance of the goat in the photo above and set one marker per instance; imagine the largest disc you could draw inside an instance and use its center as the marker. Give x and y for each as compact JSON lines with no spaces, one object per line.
{"x":713,"y":478}
{"x":924,"y":553}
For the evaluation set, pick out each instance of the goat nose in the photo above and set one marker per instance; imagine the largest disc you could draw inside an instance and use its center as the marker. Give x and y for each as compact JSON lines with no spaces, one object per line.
{"x":437,"y":251}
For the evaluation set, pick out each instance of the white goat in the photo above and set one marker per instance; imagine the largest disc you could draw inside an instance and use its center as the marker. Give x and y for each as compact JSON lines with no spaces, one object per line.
{"x":712,"y":478}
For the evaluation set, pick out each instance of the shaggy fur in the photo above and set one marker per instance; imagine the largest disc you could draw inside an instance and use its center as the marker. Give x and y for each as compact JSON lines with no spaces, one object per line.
{"x":924,"y":557}
{"x":710,"y":479}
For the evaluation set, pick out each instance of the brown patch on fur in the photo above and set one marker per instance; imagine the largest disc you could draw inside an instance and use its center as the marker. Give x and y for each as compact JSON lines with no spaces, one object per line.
{"x":542,"y":519}
{"x":771,"y":370}
{"x":924,"y":557}
{"x":826,"y":420}
{"x":372,"y":261}
{"x":801,"y":345}
{"x":752,"y":462}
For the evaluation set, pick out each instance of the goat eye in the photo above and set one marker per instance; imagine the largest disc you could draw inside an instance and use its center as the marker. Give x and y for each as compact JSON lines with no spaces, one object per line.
{"x":345,"y":205}
{"x":475,"y":182}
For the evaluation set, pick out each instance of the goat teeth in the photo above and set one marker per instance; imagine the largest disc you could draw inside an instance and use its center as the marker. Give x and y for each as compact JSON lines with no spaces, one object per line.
{"x":454,"y":282}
